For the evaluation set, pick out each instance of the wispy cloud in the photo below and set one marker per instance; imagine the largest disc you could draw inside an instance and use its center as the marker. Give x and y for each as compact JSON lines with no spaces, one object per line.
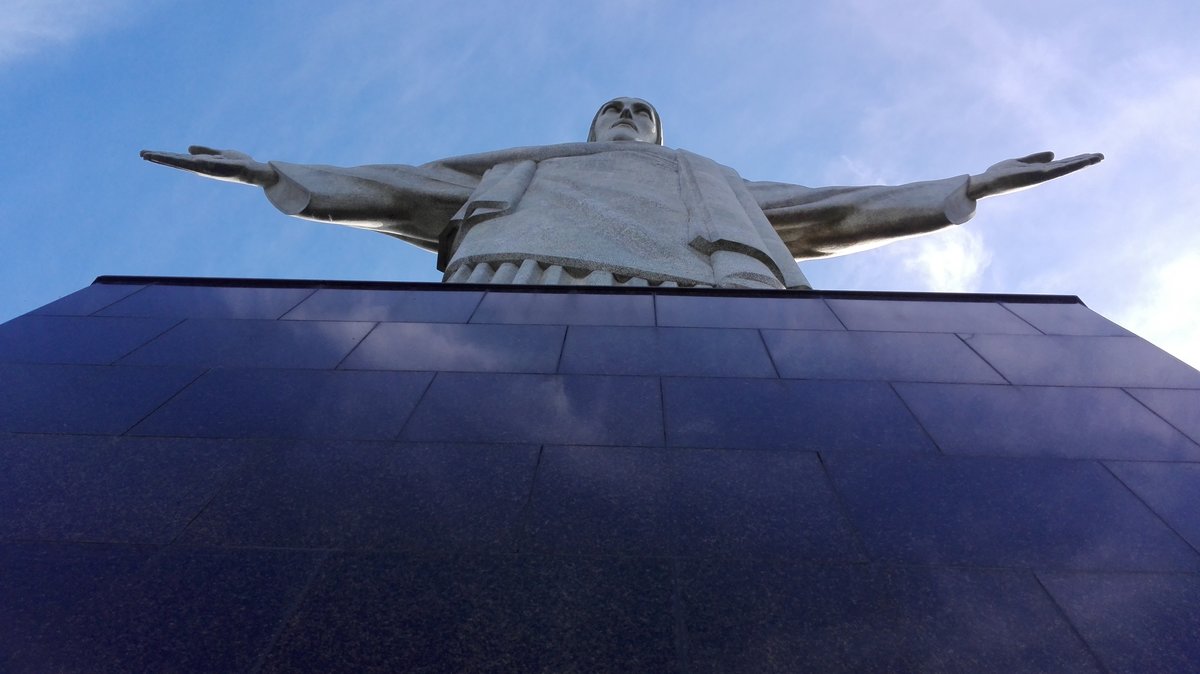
{"x":969,"y":84}
{"x":952,"y":262}
{"x":31,"y":26}
{"x":1169,"y":309}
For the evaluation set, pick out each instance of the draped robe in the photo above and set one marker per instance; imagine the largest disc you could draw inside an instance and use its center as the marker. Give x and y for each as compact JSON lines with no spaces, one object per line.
{"x":621,"y":212}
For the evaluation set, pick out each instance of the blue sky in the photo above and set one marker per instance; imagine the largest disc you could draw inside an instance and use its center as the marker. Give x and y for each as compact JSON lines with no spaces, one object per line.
{"x":816,"y":93}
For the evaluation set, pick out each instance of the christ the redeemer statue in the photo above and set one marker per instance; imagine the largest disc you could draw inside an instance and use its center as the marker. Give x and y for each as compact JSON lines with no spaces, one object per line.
{"x":620,"y":209}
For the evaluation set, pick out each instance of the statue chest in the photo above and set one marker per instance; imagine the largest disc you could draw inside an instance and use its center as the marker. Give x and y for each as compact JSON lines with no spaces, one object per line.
{"x":620,"y":211}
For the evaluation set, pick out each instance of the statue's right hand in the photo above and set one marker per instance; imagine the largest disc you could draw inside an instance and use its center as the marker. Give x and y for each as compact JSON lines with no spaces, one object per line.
{"x":229,"y":165}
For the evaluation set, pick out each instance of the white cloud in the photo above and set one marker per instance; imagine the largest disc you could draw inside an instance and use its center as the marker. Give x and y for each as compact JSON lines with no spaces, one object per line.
{"x":1168,"y":310}
{"x":968,"y":85}
{"x":953,"y":261}
{"x":31,"y":26}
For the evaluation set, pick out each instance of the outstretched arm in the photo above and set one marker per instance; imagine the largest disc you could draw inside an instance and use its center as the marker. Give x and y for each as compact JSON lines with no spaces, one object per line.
{"x":228,"y":165}
{"x":837,"y":220}
{"x":413,"y":203}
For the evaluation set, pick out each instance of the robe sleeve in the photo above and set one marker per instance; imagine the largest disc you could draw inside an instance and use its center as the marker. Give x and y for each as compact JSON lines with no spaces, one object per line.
{"x":819,"y":222}
{"x":413,"y":203}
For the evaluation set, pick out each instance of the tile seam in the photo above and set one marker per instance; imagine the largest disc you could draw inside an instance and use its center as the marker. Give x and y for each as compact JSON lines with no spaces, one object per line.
{"x":1133,"y":492}
{"x":1062,"y":613}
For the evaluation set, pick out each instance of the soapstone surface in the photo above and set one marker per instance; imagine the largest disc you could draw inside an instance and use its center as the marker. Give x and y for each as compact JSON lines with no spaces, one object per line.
{"x":619,"y":210}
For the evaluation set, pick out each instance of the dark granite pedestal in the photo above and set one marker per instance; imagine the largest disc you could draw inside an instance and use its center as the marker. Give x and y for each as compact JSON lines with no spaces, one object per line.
{"x":235,"y":476}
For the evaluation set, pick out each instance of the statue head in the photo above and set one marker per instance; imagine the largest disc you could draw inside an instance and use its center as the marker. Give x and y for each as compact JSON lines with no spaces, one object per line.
{"x":626,"y":119}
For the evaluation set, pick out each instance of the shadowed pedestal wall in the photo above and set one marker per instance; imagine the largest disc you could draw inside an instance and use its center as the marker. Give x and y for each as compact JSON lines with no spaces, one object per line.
{"x":223,"y":475}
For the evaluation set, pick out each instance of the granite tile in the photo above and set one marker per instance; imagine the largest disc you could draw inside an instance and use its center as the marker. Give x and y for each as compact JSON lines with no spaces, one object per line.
{"x":42,"y":584}
{"x":420,"y":306}
{"x":1084,"y":361}
{"x":565,"y":309}
{"x":744,"y":616}
{"x":97,"y":489}
{"x":459,"y":347}
{"x":1170,"y":489}
{"x":482,"y":614}
{"x":1043,"y":421}
{"x":772,"y":414}
{"x":756,"y":504}
{"x":1003,"y":512}
{"x":1066,"y":319}
{"x":985,"y":620}
{"x":873,"y":356}
{"x":572,"y":409}
{"x":208,"y":302}
{"x":689,"y":502}
{"x":187,"y":610}
{"x":775,"y":616}
{"x":1135,"y":622}
{"x":76,"y":339}
{"x":665,"y":351}
{"x":90,"y":399}
{"x":929,"y":316}
{"x":88,"y":300}
{"x":252,"y":343}
{"x":601,"y":500}
{"x":1180,"y":408}
{"x":373,"y":495}
{"x":696,"y":311}
{"x":290,"y":404}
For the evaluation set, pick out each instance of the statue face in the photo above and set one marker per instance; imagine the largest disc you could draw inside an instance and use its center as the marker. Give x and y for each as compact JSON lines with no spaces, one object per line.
{"x":626,"y":119}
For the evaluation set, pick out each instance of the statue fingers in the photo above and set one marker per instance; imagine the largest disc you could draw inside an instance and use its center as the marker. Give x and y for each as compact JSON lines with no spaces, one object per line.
{"x":173,"y":159}
{"x":1072,"y":164}
{"x":214,"y":166}
{"x":1086,"y":159}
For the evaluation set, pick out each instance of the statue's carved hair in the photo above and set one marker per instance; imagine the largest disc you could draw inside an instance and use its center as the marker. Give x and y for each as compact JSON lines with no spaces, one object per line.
{"x":658,"y":130}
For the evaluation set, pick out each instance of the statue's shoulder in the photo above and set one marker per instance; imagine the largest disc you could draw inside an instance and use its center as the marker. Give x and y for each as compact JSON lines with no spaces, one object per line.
{"x":544,"y":152}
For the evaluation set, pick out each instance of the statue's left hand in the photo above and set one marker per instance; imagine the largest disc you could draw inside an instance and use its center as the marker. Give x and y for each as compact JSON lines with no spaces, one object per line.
{"x":1011,"y":175}
{"x":228,"y":165}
